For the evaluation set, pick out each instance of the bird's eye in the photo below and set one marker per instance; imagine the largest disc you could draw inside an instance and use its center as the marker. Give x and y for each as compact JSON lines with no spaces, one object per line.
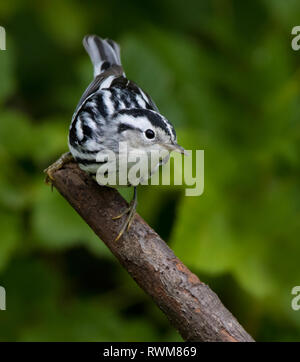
{"x":149,"y":134}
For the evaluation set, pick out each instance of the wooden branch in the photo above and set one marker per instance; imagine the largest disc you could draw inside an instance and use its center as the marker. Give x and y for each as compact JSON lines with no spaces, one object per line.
{"x":190,"y":305}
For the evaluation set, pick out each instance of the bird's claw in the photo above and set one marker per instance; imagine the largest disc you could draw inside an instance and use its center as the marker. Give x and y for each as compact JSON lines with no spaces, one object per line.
{"x":130,"y":210}
{"x":127,"y":224}
{"x":49,"y":171}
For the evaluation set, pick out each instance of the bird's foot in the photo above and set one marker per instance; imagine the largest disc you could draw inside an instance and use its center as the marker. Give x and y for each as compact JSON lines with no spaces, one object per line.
{"x":131,"y":210}
{"x":49,"y":171}
{"x":125,"y":212}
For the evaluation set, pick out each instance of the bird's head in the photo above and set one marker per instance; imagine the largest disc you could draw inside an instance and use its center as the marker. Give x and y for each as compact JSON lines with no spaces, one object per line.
{"x":147,"y":130}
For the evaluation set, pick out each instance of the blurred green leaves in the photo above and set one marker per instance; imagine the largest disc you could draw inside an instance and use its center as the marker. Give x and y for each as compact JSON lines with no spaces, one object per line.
{"x":8,"y":82}
{"x":56,"y":225}
{"x":10,"y":236}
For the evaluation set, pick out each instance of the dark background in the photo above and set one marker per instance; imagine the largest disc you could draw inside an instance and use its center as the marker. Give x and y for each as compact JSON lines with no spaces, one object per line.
{"x":225,"y":74}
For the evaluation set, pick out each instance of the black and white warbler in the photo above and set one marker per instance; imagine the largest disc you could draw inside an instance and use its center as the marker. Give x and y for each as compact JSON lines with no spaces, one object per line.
{"x":113,"y":109}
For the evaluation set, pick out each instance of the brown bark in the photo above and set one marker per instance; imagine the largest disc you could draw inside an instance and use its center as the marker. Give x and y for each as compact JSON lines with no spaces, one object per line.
{"x":190,"y":305}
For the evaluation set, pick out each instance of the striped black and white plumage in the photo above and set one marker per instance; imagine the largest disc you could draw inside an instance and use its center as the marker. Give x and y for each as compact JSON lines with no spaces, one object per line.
{"x":113,"y":109}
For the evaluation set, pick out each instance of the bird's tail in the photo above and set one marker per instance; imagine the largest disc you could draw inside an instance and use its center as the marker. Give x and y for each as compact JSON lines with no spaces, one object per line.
{"x":104,"y":53}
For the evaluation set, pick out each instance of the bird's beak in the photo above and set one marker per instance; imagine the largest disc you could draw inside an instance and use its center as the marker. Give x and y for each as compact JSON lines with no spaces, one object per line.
{"x":175,"y":147}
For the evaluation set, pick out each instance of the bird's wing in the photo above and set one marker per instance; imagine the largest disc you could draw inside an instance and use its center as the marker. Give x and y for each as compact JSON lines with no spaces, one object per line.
{"x":123,"y":82}
{"x":131,"y":85}
{"x":97,"y":84}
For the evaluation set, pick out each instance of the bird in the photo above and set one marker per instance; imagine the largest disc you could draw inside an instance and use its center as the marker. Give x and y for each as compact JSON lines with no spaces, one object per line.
{"x":114,"y":109}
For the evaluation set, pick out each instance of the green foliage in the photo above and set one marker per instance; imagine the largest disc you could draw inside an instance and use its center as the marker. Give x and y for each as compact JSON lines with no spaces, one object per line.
{"x":225,"y":75}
